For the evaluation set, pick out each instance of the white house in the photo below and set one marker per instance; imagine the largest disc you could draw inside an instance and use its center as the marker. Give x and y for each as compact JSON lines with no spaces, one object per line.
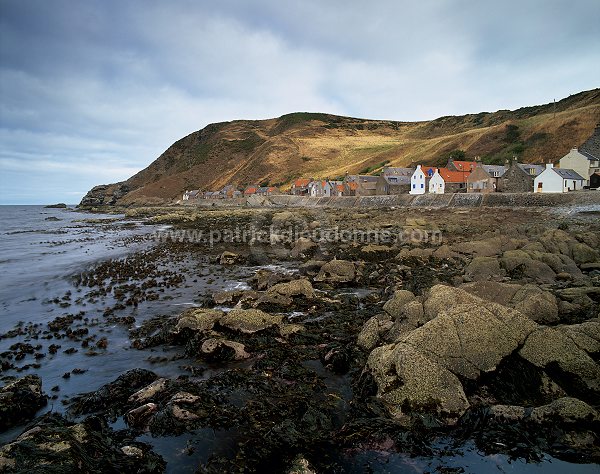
{"x":557,"y":180}
{"x":320,"y":188}
{"x":437,"y":185}
{"x":417,"y":181}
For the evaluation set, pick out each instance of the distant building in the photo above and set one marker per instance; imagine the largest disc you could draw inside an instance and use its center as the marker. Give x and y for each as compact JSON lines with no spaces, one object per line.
{"x":485,"y":178}
{"x":364,"y":185}
{"x":557,"y":180}
{"x":195,"y":194}
{"x":584,"y":160}
{"x":437,"y":185}
{"x":300,"y":186}
{"x":417,"y":181}
{"x":463,"y":166}
{"x":519,"y":177}
{"x":394,"y":181}
{"x":250,"y":190}
{"x":267,"y":190}
{"x":320,"y":188}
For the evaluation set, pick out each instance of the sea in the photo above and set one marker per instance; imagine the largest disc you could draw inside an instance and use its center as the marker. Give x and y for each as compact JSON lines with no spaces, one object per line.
{"x":41,"y":249}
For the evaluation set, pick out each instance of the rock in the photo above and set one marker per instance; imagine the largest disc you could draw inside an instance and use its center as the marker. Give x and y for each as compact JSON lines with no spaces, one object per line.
{"x":372,"y":330}
{"x":284,"y":293}
{"x":471,"y":338}
{"x":336,"y":271}
{"x":222,"y":349}
{"x":60,"y":205}
{"x":311,"y":268}
{"x":229,"y":258}
{"x":586,"y":335}
{"x":568,"y":364}
{"x":441,"y":297}
{"x":519,"y":264}
{"x":575,"y":293}
{"x":483,"y":268}
{"x":139,"y":417}
{"x":587,"y":267}
{"x":410,"y":316}
{"x":583,"y":253}
{"x":303,"y":248}
{"x":394,"y":305}
{"x":113,"y":394}
{"x":197,"y":319}
{"x":444,"y":252}
{"x":300,"y":466}
{"x":376,"y":252}
{"x":20,"y":400}
{"x":148,"y":392}
{"x":564,"y":410}
{"x":409,"y":381}
{"x":264,"y":279}
{"x":563,"y":276}
{"x":249,"y":320}
{"x":58,"y":445}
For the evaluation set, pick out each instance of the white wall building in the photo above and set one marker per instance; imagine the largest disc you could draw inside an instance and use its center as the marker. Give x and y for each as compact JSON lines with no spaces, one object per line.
{"x":557,"y":180}
{"x":417,"y":181}
{"x":437,"y":185}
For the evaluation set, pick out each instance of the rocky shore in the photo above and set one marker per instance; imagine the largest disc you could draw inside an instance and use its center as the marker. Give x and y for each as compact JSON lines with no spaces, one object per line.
{"x":358,"y":332}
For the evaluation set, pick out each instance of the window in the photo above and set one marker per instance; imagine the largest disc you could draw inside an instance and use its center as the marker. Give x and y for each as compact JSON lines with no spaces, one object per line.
{"x":421,"y":185}
{"x":414,"y":186}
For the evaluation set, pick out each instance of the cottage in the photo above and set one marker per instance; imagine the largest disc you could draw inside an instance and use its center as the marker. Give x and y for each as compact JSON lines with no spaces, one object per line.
{"x":364,"y":185}
{"x":227,"y":192}
{"x":266,"y":190}
{"x":519,"y":177}
{"x":484,"y":178}
{"x":300,"y":187}
{"x":394,"y":181}
{"x":584,"y":160}
{"x":437,"y":185}
{"x":337,"y":188}
{"x":462,"y":166}
{"x":195,"y":194}
{"x":250,"y":190}
{"x":417,"y":181}
{"x":319,"y":188}
{"x":557,"y":180}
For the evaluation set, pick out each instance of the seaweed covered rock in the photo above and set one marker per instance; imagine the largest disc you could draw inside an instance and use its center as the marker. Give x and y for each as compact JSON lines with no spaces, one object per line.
{"x":249,"y":320}
{"x":197,"y":319}
{"x":57,"y":445}
{"x":114,"y":394}
{"x":409,"y":381}
{"x":222,"y":349}
{"x":20,"y":400}
{"x":284,"y":294}
{"x":535,"y":303}
{"x":336,"y":271}
{"x":568,"y":364}
{"x":303,"y":247}
{"x":395,"y":304}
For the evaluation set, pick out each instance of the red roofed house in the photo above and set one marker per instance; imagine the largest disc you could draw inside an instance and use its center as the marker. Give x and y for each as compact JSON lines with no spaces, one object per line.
{"x":250,"y":190}
{"x":444,"y":180}
{"x":300,"y":186}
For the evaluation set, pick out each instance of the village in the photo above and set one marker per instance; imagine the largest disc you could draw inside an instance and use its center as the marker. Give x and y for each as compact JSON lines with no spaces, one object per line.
{"x":577,"y":170}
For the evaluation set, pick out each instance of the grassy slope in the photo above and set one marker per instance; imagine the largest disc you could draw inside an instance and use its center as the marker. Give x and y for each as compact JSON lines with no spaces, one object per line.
{"x":321,"y":145}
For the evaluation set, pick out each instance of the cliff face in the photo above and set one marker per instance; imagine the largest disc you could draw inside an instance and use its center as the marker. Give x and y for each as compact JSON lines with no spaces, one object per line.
{"x":276,"y":151}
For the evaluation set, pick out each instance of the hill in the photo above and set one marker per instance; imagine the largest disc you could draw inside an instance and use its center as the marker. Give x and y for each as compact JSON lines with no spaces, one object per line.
{"x":276,"y":151}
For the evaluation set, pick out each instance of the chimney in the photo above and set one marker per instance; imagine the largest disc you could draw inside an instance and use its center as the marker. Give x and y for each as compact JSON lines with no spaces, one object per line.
{"x":549,"y":166}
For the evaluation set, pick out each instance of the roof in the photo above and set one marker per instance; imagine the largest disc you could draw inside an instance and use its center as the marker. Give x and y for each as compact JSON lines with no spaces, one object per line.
{"x":491,"y":169}
{"x":591,"y":147}
{"x":400,"y":179}
{"x":567,"y":173}
{"x":353,"y":186}
{"x":398,"y":171}
{"x":340,"y":187}
{"x":464,"y":165}
{"x":527,"y":166}
{"x":301,"y":182}
{"x":453,"y":176}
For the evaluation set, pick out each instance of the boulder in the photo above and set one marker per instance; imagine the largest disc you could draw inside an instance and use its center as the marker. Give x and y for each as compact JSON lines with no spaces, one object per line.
{"x":372,"y":330}
{"x":583,"y":253}
{"x":229,"y":258}
{"x":303,"y":247}
{"x":249,"y":320}
{"x":441,"y":297}
{"x":533,"y":302}
{"x":561,"y":411}
{"x":471,"y":338}
{"x":284,"y":293}
{"x":409,"y":381}
{"x":197,"y":319}
{"x":394,"y":305}
{"x":222,"y":349}
{"x":586,"y":335}
{"x":410,"y":316}
{"x":20,"y":400}
{"x":139,"y":417}
{"x":519,"y":264}
{"x":336,"y":271}
{"x":148,"y":392}
{"x":483,"y":268}
{"x":569,"y":365}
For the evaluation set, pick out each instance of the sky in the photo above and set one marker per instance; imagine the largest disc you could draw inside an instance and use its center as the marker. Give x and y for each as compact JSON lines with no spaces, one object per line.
{"x":92,"y":91}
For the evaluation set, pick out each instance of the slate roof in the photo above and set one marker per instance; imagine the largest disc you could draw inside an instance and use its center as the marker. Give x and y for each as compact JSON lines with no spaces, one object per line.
{"x":491,"y":169}
{"x":398,"y":171}
{"x":527,"y":166}
{"x":396,"y":180}
{"x":591,"y":147}
{"x":567,"y":173}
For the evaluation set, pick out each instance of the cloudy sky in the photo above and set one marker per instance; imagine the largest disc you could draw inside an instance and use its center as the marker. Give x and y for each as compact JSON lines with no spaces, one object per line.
{"x":91,"y":91}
